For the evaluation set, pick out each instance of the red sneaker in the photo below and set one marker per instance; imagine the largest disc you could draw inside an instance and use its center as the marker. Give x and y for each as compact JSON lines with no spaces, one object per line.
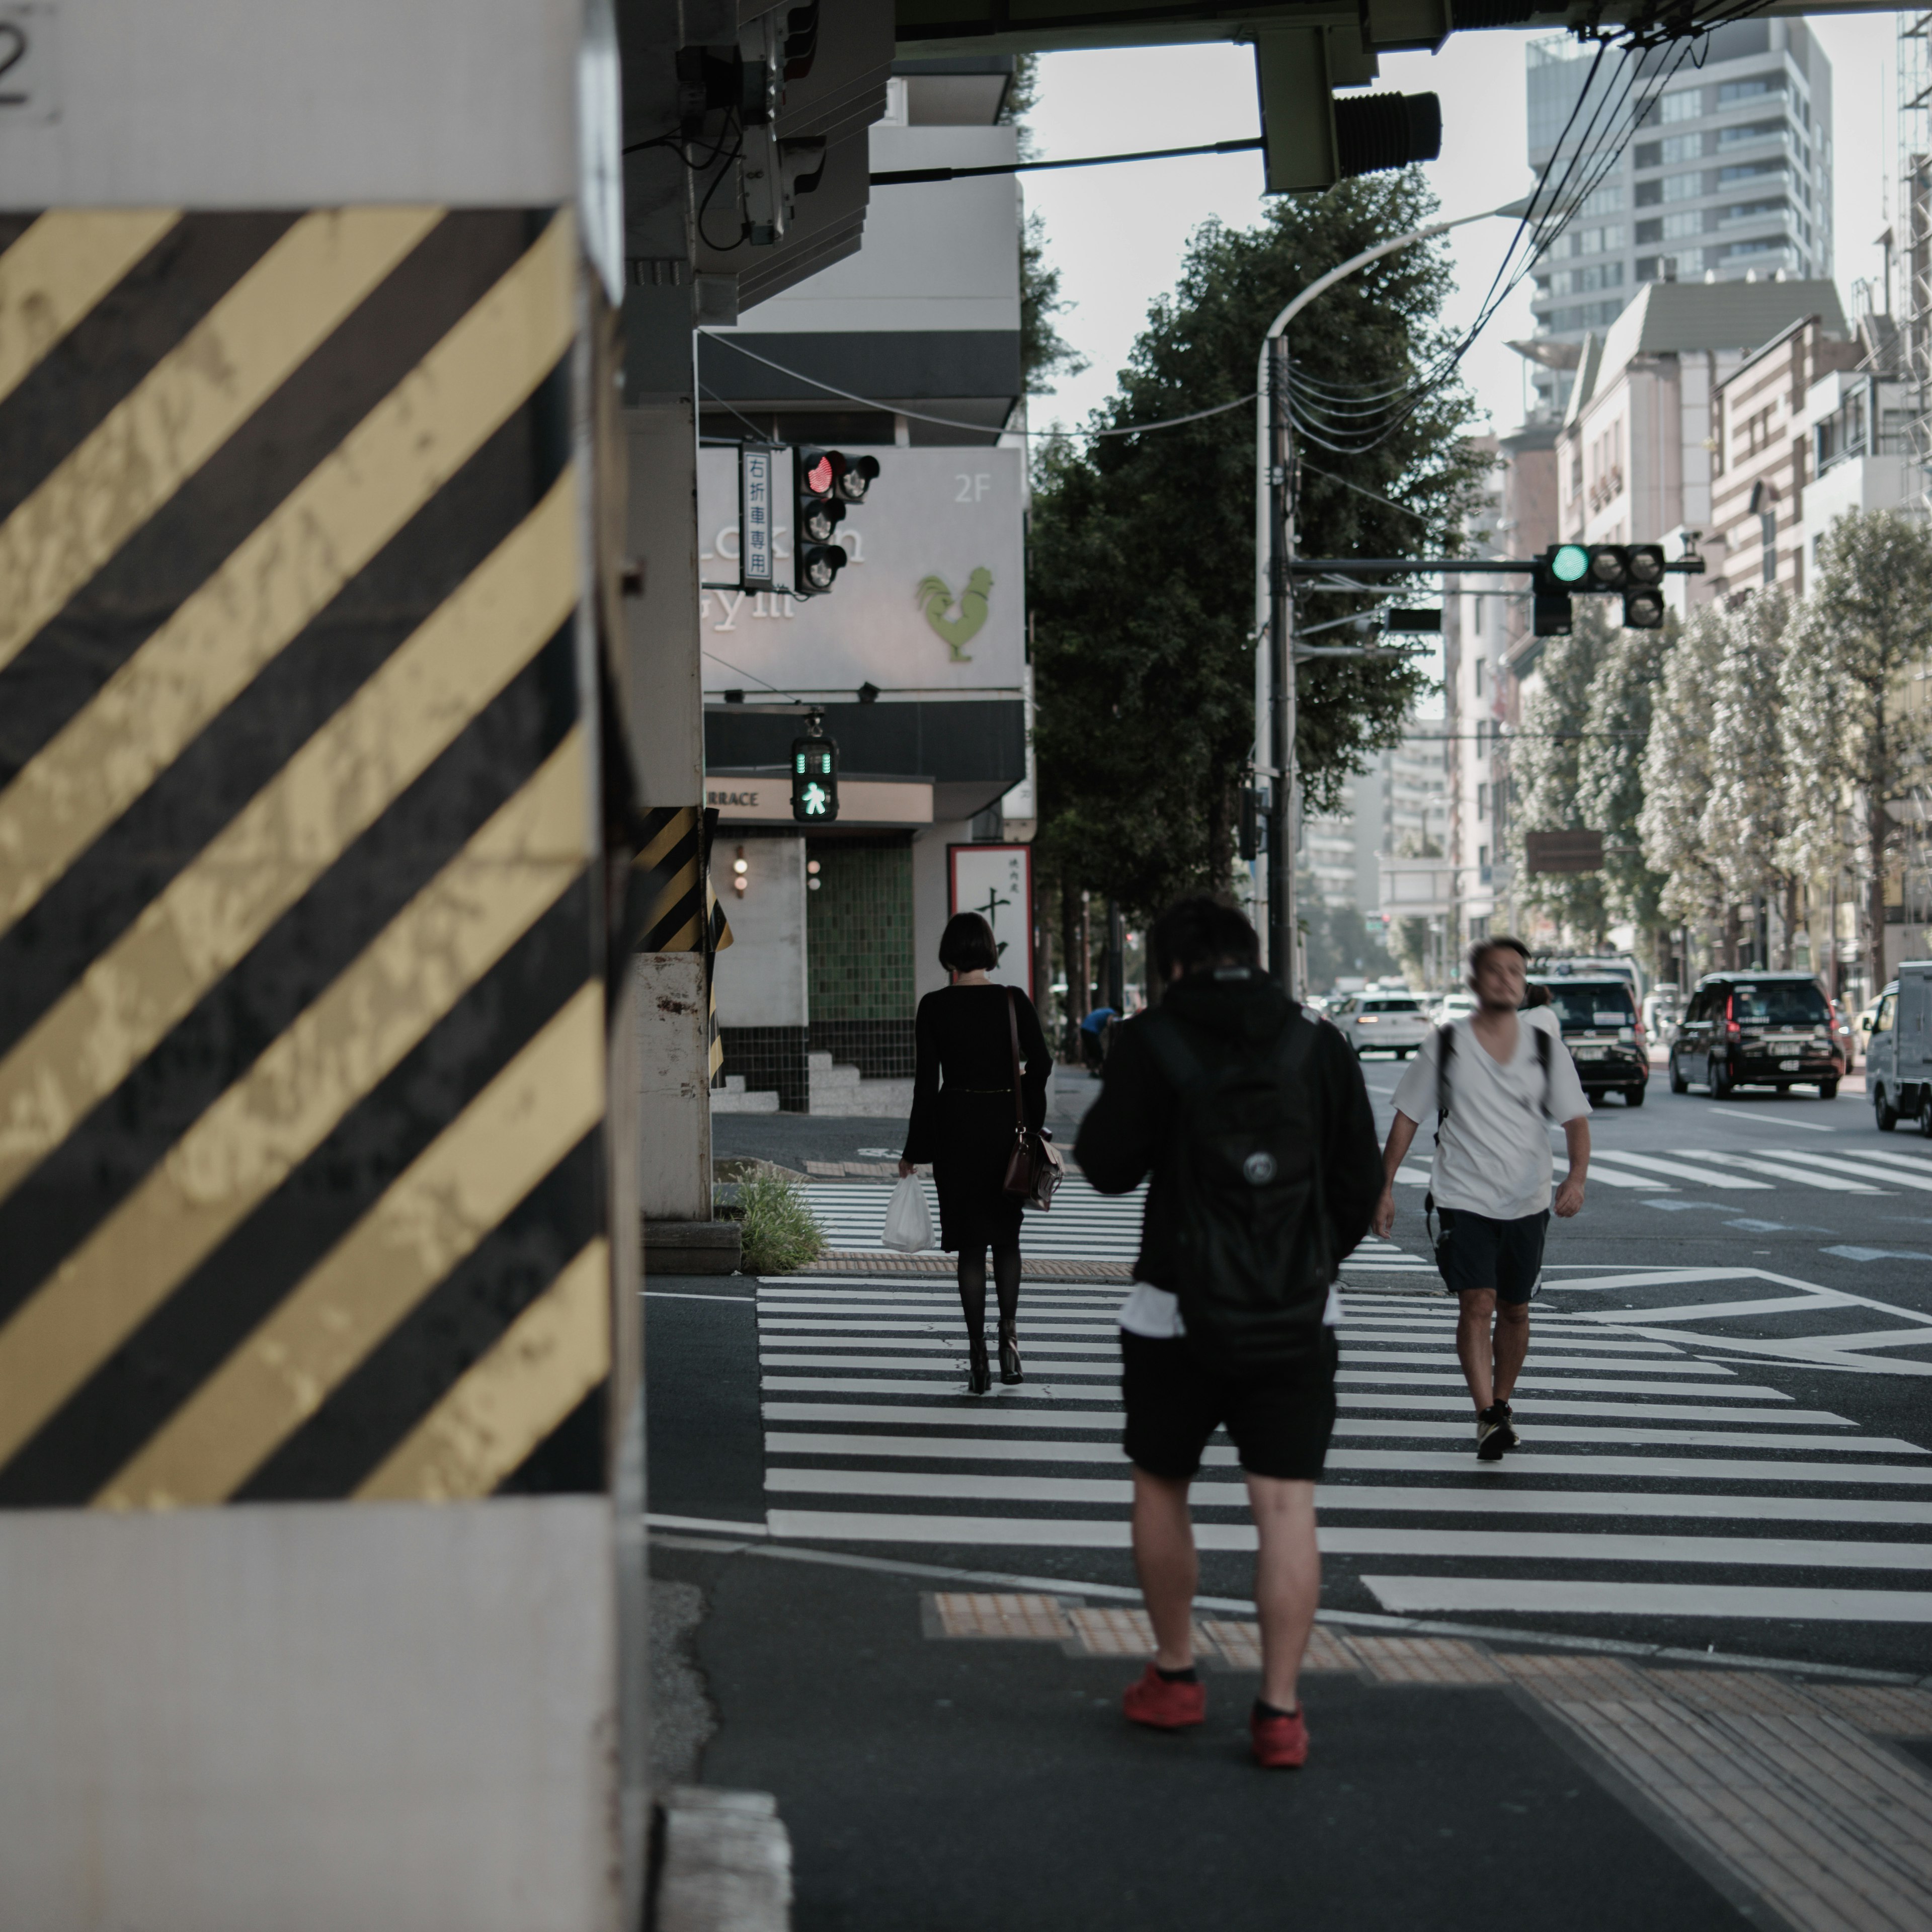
{"x":1168,"y":1707}
{"x":1280,"y":1743}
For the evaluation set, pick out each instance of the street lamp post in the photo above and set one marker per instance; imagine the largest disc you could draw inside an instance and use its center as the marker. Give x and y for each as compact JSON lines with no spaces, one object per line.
{"x":1275,"y":508}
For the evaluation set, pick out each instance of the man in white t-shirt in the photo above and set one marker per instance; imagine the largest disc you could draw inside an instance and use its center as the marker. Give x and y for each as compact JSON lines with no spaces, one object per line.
{"x":1504,"y":1073}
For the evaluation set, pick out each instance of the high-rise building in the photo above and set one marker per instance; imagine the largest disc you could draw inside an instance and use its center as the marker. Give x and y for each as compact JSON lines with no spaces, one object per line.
{"x":1729,"y":179}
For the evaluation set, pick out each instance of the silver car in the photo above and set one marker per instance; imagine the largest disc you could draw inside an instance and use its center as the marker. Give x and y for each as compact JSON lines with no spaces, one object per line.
{"x":1393,"y":1023}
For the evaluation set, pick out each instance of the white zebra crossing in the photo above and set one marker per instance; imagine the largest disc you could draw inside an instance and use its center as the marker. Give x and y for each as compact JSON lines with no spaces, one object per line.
{"x":871,"y":1438}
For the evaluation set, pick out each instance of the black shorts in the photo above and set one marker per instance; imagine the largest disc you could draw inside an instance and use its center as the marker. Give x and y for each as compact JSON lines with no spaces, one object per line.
{"x":1280,"y":1424}
{"x":1474,"y":1252}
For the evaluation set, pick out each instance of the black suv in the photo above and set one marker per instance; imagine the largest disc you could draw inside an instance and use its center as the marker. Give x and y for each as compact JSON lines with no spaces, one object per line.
{"x":1757,"y":1030}
{"x":1601,"y":1029}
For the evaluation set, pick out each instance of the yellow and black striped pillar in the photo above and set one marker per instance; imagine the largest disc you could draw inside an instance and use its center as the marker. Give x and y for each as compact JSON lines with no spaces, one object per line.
{"x":673,"y":905}
{"x":302,"y":1037}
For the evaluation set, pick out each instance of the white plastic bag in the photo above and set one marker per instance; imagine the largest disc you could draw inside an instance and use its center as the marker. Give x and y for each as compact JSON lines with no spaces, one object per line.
{"x":908,"y":1219}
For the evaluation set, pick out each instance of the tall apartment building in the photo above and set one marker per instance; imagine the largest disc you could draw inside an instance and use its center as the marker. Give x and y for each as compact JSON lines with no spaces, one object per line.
{"x":1398,"y":804}
{"x":1729,"y":179}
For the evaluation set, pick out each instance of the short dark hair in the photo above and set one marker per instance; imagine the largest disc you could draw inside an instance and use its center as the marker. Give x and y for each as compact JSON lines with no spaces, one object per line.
{"x":1201,"y":931}
{"x":1501,"y":942}
{"x":967,"y":945}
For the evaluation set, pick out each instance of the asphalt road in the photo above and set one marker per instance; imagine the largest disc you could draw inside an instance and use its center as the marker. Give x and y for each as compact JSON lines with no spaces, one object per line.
{"x":1727,"y":1459}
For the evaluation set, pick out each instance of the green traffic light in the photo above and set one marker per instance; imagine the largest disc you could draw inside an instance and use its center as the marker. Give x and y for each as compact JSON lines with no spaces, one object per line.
{"x":1568,"y":562}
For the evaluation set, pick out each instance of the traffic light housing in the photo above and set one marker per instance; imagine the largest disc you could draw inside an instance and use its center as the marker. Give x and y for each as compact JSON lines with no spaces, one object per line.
{"x":818,"y":511}
{"x":1560,"y":570}
{"x":814,"y":776}
{"x":1643,"y":591}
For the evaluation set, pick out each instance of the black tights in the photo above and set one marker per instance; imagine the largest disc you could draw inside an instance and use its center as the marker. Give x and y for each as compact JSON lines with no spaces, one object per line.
{"x":973,"y":1288}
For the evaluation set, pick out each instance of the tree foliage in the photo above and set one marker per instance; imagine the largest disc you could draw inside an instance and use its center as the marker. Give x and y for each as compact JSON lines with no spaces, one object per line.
{"x":1142,"y":559}
{"x":1546,"y":770}
{"x":1746,"y":822}
{"x":1617,"y":714}
{"x":1676,"y":772}
{"x":1853,"y":722}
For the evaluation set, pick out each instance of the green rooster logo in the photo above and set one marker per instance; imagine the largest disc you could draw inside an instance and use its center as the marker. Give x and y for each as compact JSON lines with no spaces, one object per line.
{"x":935,"y":597}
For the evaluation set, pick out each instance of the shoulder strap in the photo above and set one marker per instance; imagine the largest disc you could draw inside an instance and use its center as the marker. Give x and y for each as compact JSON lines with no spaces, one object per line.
{"x":1173,"y":1056}
{"x":1445,"y":1051}
{"x":1013,"y":1034}
{"x":1543,"y":1060}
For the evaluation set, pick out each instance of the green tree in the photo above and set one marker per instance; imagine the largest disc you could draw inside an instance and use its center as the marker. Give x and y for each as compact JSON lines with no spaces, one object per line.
{"x":1747,"y":820}
{"x":1676,"y":772}
{"x":1142,"y":557}
{"x":1609,"y":769}
{"x":1854,"y":722}
{"x":1546,"y":766}
{"x":1045,"y":353}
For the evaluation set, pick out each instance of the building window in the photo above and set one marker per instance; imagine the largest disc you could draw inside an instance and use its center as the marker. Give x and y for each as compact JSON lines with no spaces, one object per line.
{"x":1483,"y":803}
{"x":1479,"y":662}
{"x":1683,"y":188}
{"x":1482,"y":855}
{"x":1734,"y":91}
{"x":1676,"y":227}
{"x":1682,"y":148}
{"x":1684,"y":105}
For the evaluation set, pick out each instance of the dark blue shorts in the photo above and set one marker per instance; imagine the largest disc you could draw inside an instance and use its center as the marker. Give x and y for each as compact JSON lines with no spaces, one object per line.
{"x":1279,"y":1424}
{"x":1474,"y":1252}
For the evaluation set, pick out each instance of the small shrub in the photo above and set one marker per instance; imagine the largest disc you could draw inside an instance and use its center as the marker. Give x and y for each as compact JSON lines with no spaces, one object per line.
{"x":780,"y":1235}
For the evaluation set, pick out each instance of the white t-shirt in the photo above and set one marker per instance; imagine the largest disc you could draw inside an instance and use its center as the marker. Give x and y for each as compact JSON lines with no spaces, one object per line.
{"x":1152,"y":1311}
{"x":1492,"y":1153}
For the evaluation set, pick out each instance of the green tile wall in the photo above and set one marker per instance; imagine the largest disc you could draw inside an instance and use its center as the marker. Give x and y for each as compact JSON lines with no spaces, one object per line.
{"x":858,"y":926}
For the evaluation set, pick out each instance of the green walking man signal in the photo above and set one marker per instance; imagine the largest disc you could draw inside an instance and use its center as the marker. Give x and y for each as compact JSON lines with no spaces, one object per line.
{"x":814,"y":775}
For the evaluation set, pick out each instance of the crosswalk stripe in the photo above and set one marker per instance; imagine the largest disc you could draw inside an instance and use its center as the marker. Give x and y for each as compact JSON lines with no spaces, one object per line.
{"x":1405,"y":1462}
{"x":1049,"y":1366}
{"x":1653,"y":1164}
{"x":1423,"y":1595}
{"x":1897,"y":1177}
{"x":1480,"y":1500}
{"x":1783,"y":1552}
{"x":1784,"y":1169}
{"x":1608,"y":1177}
{"x":1049,"y":1392}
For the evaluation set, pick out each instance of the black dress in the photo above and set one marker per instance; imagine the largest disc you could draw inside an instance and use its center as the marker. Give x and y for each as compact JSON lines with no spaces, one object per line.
{"x":965,"y":1128}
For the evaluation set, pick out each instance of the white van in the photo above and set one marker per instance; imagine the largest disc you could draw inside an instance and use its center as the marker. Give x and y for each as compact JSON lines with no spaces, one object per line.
{"x":1898,"y":1051}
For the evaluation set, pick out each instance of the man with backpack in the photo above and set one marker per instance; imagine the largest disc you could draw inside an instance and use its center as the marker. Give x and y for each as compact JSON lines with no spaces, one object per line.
{"x":1493,"y":1078}
{"x":1251,"y":1117}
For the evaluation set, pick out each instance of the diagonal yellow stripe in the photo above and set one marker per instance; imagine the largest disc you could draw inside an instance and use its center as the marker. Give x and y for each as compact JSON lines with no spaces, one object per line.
{"x":280,"y":1111}
{"x":679,"y":826}
{"x":431,"y":1216}
{"x":190,"y":403}
{"x":256,"y":604}
{"x":544,"y":1364}
{"x":290,"y":833}
{"x":56,"y":272}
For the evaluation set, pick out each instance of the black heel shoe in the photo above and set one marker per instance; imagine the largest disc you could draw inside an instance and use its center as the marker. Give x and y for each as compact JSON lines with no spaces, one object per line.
{"x":978,"y":1370}
{"x":1009,"y":1356}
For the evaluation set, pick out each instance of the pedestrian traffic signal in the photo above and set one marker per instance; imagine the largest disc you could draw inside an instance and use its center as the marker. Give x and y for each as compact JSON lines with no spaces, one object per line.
{"x":814,"y":776}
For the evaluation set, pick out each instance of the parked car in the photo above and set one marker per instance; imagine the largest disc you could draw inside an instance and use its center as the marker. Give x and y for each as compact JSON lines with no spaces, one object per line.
{"x":1383,"y":1023}
{"x":1663,"y":1009}
{"x":1601,"y":1029}
{"x":1747,"y":1029}
{"x":1898,"y":1051}
{"x":1454,"y":1007}
{"x":1867,"y":1019}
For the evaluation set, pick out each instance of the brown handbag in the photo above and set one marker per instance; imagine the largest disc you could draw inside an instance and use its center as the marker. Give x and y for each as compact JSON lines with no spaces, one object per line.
{"x":1036,"y":1167}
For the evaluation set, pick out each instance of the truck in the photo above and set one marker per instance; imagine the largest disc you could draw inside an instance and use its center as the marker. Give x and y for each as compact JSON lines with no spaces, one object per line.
{"x":1898,"y":1051}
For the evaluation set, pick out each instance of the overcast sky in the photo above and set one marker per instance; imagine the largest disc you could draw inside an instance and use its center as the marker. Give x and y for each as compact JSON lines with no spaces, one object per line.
{"x":1117,"y":234}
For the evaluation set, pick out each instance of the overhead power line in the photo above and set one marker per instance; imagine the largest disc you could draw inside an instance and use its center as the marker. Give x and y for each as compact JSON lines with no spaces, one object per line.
{"x":905,"y":177}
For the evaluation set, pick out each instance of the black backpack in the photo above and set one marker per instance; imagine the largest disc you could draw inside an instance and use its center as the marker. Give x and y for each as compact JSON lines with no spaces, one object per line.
{"x":1253,"y":1239}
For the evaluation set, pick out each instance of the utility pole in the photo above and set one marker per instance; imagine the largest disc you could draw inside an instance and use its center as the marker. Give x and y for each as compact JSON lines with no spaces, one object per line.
{"x":1273,"y":557}
{"x":1281,"y":671}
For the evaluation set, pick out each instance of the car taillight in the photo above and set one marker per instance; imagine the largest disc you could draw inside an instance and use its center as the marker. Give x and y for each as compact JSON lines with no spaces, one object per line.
{"x":1731,"y":1029}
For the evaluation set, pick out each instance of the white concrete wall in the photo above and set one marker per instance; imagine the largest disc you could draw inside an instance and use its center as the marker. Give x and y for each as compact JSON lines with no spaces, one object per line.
{"x":309,"y":1716}
{"x":930,"y":898}
{"x":227,"y":103}
{"x":673,"y":1015}
{"x":1859,"y":483}
{"x":761,"y":977}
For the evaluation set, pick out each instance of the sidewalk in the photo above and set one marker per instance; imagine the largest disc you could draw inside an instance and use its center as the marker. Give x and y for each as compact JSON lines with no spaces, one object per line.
{"x":939,"y":1783}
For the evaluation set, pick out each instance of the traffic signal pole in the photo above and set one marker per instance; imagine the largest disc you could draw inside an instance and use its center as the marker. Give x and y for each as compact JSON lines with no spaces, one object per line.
{"x":1275,"y":503}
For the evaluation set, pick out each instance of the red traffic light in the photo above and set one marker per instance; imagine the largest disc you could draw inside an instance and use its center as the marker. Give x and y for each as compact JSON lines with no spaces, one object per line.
{"x":818,"y":470}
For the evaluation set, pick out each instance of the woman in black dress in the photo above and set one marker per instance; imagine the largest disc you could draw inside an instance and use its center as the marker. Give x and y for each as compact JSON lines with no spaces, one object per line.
{"x":966,"y":1127}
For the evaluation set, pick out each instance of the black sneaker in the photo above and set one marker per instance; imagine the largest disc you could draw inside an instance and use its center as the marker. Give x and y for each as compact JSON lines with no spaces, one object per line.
{"x":1507,"y":1416}
{"x":1493,"y":1434}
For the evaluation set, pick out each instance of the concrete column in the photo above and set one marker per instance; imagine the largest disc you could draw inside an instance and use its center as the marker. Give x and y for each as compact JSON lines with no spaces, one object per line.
{"x":319,"y":1424}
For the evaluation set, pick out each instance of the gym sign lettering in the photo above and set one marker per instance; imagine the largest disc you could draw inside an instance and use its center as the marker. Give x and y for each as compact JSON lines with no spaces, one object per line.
{"x":932,"y":600}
